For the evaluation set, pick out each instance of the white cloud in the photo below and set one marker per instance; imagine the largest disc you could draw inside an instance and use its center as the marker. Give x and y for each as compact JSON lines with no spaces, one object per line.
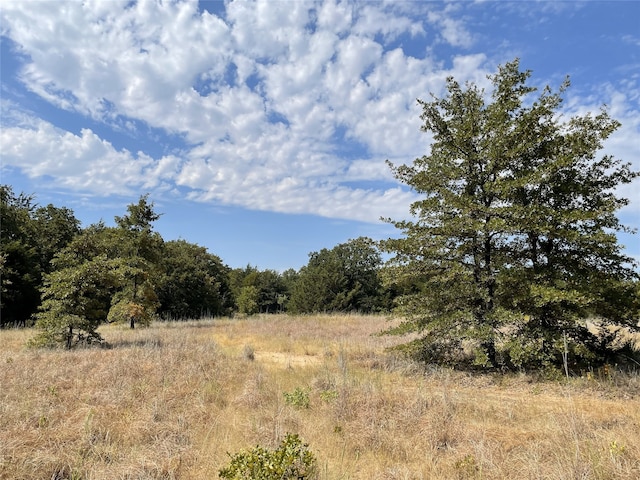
{"x":452,"y":30}
{"x":622,"y":103}
{"x":262,"y":97}
{"x":82,"y":162}
{"x":335,"y":16}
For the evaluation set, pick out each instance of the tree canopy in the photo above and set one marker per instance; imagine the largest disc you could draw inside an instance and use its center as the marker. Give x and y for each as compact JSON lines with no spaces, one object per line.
{"x":69,"y":280}
{"x":31,"y":236}
{"x":513,"y":241}
{"x":194,"y":283}
{"x":345,"y":278}
{"x":103,"y":274}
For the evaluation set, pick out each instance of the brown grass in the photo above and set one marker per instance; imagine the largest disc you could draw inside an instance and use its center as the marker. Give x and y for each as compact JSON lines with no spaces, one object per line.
{"x":170,"y":401}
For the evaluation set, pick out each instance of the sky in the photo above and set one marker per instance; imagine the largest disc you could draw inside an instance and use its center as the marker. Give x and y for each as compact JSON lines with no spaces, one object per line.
{"x":260,"y":129}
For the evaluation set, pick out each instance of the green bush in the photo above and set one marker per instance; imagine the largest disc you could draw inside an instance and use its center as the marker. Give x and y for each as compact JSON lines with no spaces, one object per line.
{"x":290,"y":461}
{"x":298,"y":398}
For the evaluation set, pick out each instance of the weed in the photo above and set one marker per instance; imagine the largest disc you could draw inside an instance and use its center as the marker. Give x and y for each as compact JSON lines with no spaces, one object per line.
{"x":297,"y":398}
{"x":248,"y":353}
{"x":43,"y":421}
{"x":328,"y":395}
{"x":467,"y":467}
{"x":617,"y":449}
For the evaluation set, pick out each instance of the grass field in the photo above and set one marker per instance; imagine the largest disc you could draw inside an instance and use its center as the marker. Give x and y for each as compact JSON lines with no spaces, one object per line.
{"x":170,"y":401}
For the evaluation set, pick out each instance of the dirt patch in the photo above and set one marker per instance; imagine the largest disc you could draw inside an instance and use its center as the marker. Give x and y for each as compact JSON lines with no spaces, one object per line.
{"x":287,"y":360}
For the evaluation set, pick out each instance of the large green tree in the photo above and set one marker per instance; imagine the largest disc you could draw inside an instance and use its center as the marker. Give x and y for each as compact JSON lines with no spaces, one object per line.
{"x":513,"y":243}
{"x":193,"y":283}
{"x":345,"y":278}
{"x":139,"y":251}
{"x":29,"y":238}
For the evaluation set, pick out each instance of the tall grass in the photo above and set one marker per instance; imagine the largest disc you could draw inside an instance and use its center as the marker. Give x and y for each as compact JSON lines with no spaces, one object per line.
{"x":173,"y":400}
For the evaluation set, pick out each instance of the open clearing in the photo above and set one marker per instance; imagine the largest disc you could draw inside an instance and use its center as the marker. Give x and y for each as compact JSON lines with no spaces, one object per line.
{"x":170,"y":401}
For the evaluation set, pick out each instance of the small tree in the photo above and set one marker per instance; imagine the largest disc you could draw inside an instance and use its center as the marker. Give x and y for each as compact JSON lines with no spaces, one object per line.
{"x":514,"y":244}
{"x":139,"y":252}
{"x":135,"y":301}
{"x":248,"y":300}
{"x":74,"y":304}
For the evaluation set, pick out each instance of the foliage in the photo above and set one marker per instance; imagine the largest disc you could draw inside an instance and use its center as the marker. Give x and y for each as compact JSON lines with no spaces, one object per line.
{"x":140,"y":250}
{"x":297,"y":398}
{"x":103,"y":274}
{"x":54,"y":229}
{"x":127,"y":311}
{"x":173,"y":279}
{"x":75,"y":304}
{"x":248,"y":300}
{"x":344,"y":278}
{"x":514,"y":244}
{"x":135,"y":301}
{"x":290,"y":461}
{"x":193,"y":283}
{"x":268,"y":293}
{"x":31,"y":235}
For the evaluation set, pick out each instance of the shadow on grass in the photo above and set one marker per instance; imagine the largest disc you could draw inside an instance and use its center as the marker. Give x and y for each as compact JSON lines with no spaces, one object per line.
{"x":141,"y":343}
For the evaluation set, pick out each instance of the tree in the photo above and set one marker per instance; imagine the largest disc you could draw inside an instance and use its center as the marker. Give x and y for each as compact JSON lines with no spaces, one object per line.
{"x":514,"y":243}
{"x":247,"y":300}
{"x":103,"y":274}
{"x":272,"y":291}
{"x":268,"y":292}
{"x":54,"y":228}
{"x":344,"y":278}
{"x":193,"y":282}
{"x":139,"y":253}
{"x":20,"y":271}
{"x":75,"y":304}
{"x":30,"y":235}
{"x":77,"y":292}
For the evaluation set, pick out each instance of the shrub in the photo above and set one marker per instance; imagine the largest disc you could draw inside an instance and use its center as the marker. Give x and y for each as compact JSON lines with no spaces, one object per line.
{"x":298,"y":398}
{"x":290,"y":461}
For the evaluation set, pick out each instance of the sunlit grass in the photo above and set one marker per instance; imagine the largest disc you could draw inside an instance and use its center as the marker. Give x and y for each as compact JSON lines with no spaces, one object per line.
{"x":172,"y":400}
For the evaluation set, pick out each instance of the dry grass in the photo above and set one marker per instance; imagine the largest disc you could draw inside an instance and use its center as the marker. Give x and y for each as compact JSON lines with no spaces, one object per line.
{"x":171,"y":401}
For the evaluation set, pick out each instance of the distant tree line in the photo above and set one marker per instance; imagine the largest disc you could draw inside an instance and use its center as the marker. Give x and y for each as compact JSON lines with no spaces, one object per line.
{"x":69,"y":279}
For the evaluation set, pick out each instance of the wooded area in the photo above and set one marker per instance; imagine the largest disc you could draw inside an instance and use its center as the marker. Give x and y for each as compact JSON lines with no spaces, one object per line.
{"x":56,"y":273}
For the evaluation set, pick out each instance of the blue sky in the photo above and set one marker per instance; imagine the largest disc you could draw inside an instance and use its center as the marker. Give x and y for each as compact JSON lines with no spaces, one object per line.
{"x":260,"y":129}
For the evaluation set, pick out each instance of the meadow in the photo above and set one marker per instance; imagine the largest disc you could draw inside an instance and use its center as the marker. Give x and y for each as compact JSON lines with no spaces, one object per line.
{"x":173,"y":400}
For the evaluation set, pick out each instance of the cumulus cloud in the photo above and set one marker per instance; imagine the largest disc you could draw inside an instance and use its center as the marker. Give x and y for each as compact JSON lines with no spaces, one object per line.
{"x":82,"y":162}
{"x":281,"y":106}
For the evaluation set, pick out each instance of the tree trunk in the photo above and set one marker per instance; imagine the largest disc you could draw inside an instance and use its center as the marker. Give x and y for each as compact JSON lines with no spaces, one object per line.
{"x":69,"y":337}
{"x":490,"y":349}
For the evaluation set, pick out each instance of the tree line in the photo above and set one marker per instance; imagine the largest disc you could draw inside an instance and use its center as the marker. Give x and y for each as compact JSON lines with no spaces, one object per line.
{"x":511,"y":260}
{"x":71,"y":279}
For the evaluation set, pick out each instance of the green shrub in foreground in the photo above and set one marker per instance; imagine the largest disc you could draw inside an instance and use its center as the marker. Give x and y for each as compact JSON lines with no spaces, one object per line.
{"x":290,"y":461}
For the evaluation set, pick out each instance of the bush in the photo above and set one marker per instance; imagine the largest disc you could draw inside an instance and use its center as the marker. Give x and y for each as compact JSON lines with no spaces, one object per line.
{"x":290,"y":461}
{"x":298,"y":398}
